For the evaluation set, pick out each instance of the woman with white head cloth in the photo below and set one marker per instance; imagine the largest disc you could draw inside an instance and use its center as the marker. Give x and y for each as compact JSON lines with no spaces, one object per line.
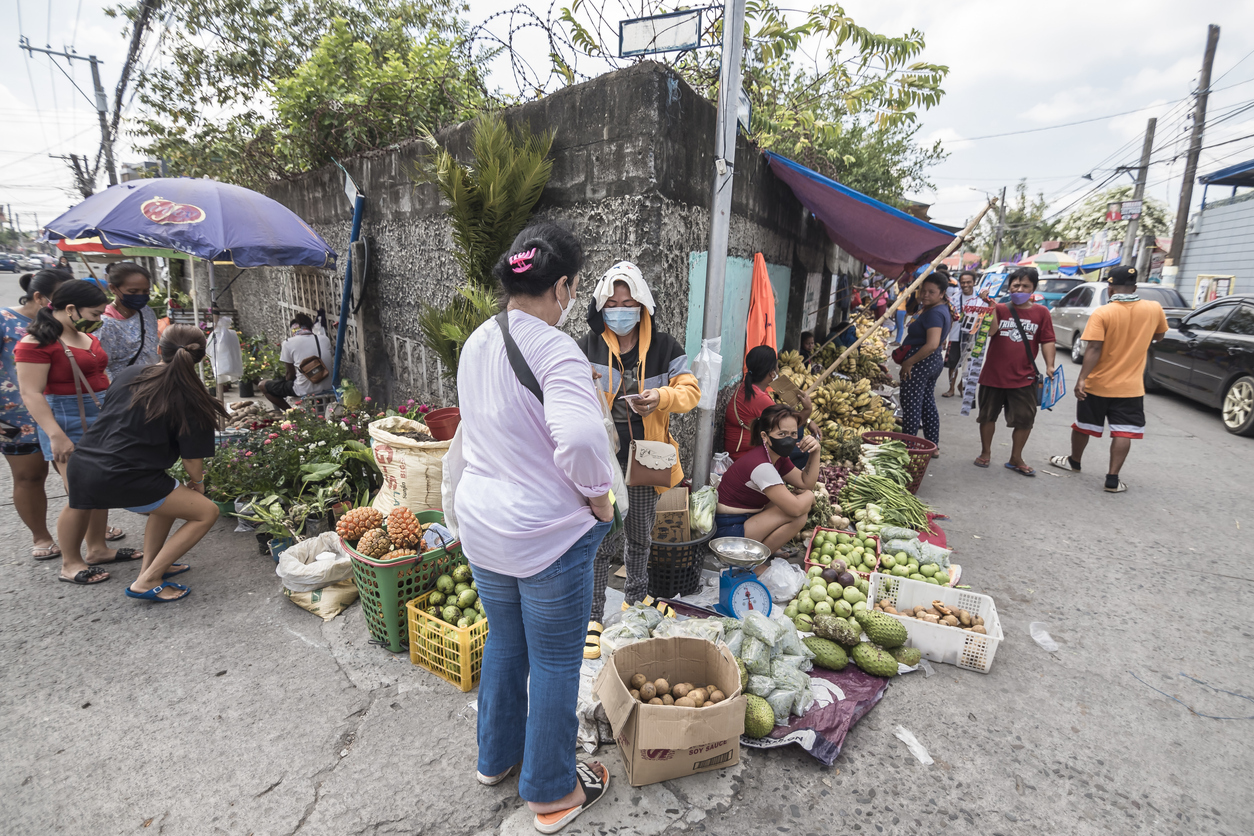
{"x":644,"y":378}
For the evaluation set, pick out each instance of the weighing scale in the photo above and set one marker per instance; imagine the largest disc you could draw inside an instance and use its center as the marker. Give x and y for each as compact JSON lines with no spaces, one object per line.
{"x":739,"y":590}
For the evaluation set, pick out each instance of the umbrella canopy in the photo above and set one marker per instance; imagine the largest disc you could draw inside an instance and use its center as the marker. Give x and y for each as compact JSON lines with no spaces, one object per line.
{"x":202,"y":218}
{"x":1052,"y":259}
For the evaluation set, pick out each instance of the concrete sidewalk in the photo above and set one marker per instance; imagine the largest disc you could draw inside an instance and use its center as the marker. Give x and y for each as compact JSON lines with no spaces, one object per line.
{"x":235,"y":712}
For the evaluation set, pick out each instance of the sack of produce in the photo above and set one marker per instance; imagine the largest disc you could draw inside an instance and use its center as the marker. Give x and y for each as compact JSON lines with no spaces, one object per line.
{"x":929,"y":553}
{"x":735,"y":642}
{"x":701,"y":507}
{"x":781,"y":702}
{"x":313,"y":564}
{"x":760,"y":686}
{"x":893,"y":532}
{"x":783,"y":579}
{"x":412,"y":463}
{"x":762,"y":628}
{"x":755,"y":655}
{"x":625,"y":632}
{"x":709,"y":629}
{"x":326,"y":602}
{"x":910,"y":547}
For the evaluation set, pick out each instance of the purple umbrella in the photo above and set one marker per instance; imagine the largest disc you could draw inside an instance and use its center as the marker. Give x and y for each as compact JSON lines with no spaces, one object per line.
{"x":203,"y":218}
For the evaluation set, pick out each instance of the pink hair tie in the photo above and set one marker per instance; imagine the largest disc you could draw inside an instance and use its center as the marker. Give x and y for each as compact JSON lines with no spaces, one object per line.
{"x":522,"y":261}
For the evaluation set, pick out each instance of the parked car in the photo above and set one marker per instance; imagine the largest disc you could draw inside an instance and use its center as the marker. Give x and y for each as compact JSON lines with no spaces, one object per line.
{"x":1071,"y":314}
{"x":1208,"y":355}
{"x":32,"y":261}
{"x":1049,"y":290}
{"x":9,"y":262}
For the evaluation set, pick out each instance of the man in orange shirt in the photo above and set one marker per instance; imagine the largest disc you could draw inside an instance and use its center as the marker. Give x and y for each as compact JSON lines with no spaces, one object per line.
{"x":1111,"y":387}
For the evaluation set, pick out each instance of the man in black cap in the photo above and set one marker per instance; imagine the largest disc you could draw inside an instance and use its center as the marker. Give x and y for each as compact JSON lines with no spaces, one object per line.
{"x":1111,"y":387}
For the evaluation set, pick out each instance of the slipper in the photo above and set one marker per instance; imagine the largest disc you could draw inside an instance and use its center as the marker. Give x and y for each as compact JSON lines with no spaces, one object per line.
{"x":114,"y":534}
{"x":981,"y":462}
{"x":154,"y":594}
{"x":1063,"y":463}
{"x":1025,"y":470}
{"x":947,"y":394}
{"x":936,"y":455}
{"x":175,"y":569}
{"x":1120,"y":488}
{"x":592,"y":646}
{"x":124,"y":555}
{"x":45,"y":552}
{"x":83,"y":577}
{"x":493,"y":780}
{"x":594,"y":788}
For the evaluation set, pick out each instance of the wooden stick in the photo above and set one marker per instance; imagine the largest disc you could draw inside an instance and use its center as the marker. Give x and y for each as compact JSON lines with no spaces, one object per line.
{"x":905,"y":294}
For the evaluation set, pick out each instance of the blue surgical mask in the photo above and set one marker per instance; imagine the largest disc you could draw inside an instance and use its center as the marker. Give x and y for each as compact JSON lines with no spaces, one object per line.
{"x":1020,"y":298}
{"x":621,"y":320}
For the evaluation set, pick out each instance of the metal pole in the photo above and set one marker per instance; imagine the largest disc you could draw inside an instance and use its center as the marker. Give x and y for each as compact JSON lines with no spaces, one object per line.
{"x":346,"y":298}
{"x":1195,"y":148}
{"x":102,"y":110}
{"x":1143,"y":257}
{"x":1001,"y":225}
{"x":729,"y":80}
{"x":1129,"y":240}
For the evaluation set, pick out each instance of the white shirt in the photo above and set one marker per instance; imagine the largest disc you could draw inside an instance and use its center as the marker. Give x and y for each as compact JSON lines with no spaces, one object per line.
{"x":305,"y":344}
{"x":959,"y":300}
{"x":522,"y":501}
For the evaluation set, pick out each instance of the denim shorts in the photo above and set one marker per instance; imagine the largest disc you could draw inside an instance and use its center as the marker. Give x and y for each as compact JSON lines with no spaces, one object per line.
{"x":730,"y":525}
{"x":65,"y":411}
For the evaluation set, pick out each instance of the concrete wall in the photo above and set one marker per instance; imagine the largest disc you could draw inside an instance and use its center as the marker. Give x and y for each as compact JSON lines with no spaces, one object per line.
{"x":1220,"y":242}
{"x":632,"y":168}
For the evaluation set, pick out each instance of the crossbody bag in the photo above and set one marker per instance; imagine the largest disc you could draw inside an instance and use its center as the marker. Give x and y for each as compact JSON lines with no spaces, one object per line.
{"x":312,"y":367}
{"x":80,"y":383}
{"x":1038,"y":382}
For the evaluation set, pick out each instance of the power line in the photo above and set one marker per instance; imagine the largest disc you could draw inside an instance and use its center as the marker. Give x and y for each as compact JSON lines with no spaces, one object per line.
{"x":31,"y":78}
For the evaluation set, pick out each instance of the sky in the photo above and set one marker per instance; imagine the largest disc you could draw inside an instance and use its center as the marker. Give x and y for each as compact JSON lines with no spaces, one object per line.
{"x":1014,"y":69}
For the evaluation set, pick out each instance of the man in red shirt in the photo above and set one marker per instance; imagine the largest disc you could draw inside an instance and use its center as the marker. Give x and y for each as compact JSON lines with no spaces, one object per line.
{"x":1008,"y":380}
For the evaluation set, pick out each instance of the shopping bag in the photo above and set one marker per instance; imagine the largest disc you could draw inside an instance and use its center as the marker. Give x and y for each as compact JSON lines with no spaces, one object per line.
{"x":707,"y":367}
{"x":1053,"y":390}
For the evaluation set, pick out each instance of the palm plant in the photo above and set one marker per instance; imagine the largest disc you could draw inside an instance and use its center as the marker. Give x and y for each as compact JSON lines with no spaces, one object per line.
{"x":490,"y":201}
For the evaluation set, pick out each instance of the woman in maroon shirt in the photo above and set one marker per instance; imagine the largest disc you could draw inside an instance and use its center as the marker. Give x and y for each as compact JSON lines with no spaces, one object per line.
{"x":46,"y":378}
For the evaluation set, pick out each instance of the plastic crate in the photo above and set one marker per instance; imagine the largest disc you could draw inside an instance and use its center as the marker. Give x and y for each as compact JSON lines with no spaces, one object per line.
{"x":810,"y":547}
{"x":675,"y":568}
{"x":921,"y":451}
{"x":940,"y":642}
{"x":450,"y":652}
{"x":386,"y":586}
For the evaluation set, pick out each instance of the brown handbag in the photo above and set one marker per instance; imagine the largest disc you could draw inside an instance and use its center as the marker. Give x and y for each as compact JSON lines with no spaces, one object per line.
{"x":649,"y":463}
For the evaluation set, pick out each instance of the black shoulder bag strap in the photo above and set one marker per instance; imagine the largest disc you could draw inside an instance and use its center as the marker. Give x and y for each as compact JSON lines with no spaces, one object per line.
{"x":516,"y":359}
{"x":143,"y":335}
{"x":1037,"y":379}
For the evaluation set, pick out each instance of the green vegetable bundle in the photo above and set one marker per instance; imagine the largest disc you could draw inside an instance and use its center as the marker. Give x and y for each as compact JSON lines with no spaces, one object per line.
{"x":890,"y":459}
{"x":897,"y":505}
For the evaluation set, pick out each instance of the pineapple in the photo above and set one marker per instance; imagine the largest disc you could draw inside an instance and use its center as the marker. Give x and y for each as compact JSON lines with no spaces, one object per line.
{"x":374,"y":543}
{"x":357,"y":522}
{"x":404,"y":530}
{"x":395,"y":553}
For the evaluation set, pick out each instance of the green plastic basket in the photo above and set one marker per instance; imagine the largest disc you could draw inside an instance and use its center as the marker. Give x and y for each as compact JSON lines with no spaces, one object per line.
{"x":386,"y":586}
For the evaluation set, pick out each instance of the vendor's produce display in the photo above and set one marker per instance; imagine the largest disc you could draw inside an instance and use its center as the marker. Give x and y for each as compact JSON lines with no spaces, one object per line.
{"x":835,"y":476}
{"x":890,"y":460}
{"x":894,"y":505}
{"x":857,"y":551}
{"x":828,"y":591}
{"x":682,"y":694}
{"x":844,"y":407}
{"x":250,"y":415}
{"x":448,"y":628}
{"x":953,"y":626}
{"x":775,"y":663}
{"x":824,"y":513}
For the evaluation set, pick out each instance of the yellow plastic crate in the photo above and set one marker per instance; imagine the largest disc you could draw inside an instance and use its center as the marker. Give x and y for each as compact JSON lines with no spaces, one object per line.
{"x":449,"y":652}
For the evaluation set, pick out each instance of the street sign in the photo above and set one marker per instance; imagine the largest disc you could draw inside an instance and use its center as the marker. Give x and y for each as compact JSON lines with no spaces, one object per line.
{"x":659,"y":33}
{"x":1131,"y":210}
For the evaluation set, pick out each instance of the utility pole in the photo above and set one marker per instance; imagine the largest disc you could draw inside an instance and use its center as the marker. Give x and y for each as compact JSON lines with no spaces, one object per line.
{"x":102,"y":104}
{"x":1195,"y":149}
{"x":1129,"y":240}
{"x":1001,"y":225}
{"x":720,"y":211}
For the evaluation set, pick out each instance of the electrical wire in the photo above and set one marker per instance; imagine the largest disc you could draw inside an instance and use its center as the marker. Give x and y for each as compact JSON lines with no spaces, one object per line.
{"x":30,"y":76}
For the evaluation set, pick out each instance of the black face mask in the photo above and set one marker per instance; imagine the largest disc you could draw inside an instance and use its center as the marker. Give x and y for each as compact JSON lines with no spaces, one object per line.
{"x":783,"y":446}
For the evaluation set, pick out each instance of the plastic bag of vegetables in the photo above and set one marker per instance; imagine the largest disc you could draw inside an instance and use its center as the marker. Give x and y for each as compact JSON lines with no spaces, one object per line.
{"x":701,"y":507}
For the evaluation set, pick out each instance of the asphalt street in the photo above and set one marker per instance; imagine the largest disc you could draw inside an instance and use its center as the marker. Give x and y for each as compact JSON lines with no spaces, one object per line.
{"x":235,"y":712}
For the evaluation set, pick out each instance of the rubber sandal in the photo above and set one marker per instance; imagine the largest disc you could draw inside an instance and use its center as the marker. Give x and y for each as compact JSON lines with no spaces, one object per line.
{"x":592,"y":645}
{"x":83,"y":577}
{"x":493,"y":780}
{"x":1063,"y":463}
{"x":123,"y":556}
{"x":594,"y":787}
{"x":979,"y":463}
{"x":41,"y":552}
{"x":154,"y":594}
{"x":181,"y":568}
{"x":1120,"y":488}
{"x":114,"y":534}
{"x":947,"y":394}
{"x":1025,"y":470}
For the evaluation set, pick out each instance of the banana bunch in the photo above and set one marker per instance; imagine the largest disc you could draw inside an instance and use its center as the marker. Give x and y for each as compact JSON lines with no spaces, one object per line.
{"x":844,"y":409}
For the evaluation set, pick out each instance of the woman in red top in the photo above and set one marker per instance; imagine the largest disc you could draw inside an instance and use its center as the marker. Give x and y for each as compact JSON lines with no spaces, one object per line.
{"x":749,"y":401}
{"x":46,"y":378}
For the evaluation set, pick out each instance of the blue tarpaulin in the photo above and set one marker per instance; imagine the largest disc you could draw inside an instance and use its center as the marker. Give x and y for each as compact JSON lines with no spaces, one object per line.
{"x":1093,"y":268}
{"x":885,"y":238}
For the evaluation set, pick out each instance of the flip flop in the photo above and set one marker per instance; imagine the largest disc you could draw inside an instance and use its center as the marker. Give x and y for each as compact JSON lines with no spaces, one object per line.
{"x":981,"y":462}
{"x":592,"y":646}
{"x":175,"y":569}
{"x":124,"y":556}
{"x":46,"y":552}
{"x":1063,"y":463}
{"x":83,"y":577}
{"x":154,"y":594}
{"x":114,"y":534}
{"x":1120,"y":488}
{"x":947,"y":394}
{"x":594,"y":787}
{"x":493,"y":780}
{"x":1025,"y":470}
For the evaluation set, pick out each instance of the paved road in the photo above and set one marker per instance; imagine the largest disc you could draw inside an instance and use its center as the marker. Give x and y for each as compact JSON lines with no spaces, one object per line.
{"x":235,"y":712}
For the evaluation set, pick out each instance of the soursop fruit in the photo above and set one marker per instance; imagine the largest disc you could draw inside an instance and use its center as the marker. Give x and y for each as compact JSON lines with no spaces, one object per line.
{"x":908,"y":656}
{"x":827,"y":654}
{"x":883,"y":629}
{"x":874,"y":660}
{"x":759,"y":717}
{"x":834,"y":629}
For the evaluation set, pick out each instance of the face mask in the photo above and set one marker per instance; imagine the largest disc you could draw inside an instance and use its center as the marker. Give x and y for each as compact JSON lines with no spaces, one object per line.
{"x":1020,"y":298}
{"x":570,"y":306}
{"x":783,"y":446}
{"x":87,"y":326}
{"x":135,"y":301}
{"x":621,"y":320}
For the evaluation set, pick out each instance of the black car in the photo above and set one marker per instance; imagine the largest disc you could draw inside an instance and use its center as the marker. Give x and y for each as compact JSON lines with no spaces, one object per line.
{"x":1208,"y":356}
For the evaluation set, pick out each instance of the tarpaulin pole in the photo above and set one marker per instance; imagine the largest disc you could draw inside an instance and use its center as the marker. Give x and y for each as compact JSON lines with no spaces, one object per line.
{"x":346,"y":298}
{"x":901,"y":297}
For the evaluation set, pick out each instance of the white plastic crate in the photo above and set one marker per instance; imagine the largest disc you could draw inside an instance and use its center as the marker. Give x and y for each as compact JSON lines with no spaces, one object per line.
{"x":939,"y":642}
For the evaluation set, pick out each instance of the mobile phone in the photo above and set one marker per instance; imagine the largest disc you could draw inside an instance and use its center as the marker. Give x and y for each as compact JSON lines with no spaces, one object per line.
{"x":631,"y":398}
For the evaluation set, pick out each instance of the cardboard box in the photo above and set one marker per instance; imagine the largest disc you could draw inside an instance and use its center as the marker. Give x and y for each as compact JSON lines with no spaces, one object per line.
{"x":671,"y":525}
{"x":661,"y":742}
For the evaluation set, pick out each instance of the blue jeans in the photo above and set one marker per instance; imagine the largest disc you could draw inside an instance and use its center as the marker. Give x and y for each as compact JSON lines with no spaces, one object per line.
{"x":538,"y":627}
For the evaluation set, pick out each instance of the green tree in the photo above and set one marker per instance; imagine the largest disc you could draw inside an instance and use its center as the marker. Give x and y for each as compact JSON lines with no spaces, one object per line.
{"x":1090,"y":217}
{"x":490,"y":201}
{"x":1027,"y":226}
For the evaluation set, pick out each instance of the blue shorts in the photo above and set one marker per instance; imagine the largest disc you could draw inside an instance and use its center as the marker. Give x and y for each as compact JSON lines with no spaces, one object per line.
{"x":65,"y":411}
{"x":151,"y":506}
{"x":730,"y":525}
